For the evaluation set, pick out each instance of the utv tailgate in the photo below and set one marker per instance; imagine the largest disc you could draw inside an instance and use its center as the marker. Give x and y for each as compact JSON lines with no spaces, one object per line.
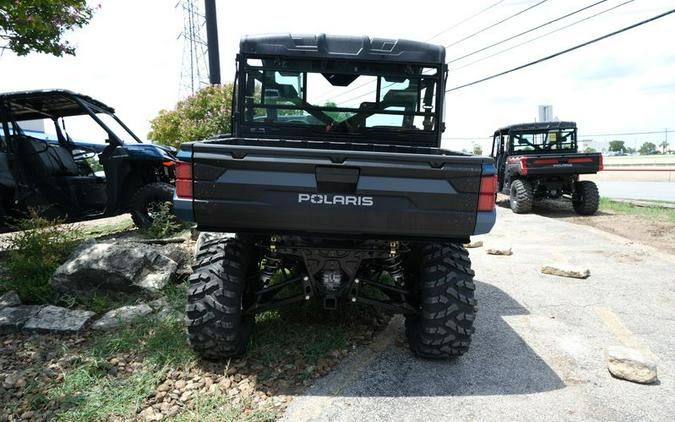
{"x":303,"y":187}
{"x":576,"y":163}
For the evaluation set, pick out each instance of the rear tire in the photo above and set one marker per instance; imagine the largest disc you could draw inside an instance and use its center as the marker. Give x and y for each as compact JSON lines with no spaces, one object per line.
{"x":444,"y":295}
{"x":142,"y":201}
{"x":586,"y":198}
{"x":521,"y":198}
{"x":216,"y":326}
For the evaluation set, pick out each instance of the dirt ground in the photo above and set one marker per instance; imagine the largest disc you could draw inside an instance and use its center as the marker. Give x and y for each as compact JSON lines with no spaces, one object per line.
{"x":648,"y":231}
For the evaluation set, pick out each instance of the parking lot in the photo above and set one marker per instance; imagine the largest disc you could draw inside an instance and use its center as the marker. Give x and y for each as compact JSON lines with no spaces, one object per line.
{"x":538,"y":350}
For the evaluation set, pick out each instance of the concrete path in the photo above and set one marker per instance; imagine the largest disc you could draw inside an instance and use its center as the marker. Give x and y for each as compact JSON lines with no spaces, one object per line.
{"x":538,"y":351}
{"x":648,"y":191}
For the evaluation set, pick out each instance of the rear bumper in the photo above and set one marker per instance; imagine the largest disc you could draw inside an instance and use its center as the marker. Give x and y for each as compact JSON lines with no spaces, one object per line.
{"x":183,"y":209}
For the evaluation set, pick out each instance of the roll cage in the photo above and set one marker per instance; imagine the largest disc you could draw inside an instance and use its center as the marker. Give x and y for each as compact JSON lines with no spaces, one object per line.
{"x":53,"y":105}
{"x":276,"y":94}
{"x":535,"y":138}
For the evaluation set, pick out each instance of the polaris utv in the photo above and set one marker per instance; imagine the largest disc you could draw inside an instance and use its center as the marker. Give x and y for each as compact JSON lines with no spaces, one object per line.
{"x":337,"y":191}
{"x":539,"y":161}
{"x":57,"y":174}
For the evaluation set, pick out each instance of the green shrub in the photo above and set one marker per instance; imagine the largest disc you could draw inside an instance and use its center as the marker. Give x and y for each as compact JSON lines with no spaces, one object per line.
{"x":206,"y":113}
{"x":35,"y":251}
{"x":164,"y":222}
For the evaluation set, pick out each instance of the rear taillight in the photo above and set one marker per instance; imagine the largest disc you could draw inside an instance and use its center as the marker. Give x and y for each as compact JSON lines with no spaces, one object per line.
{"x":523,"y":165}
{"x":488,"y":193}
{"x":602,"y":162}
{"x":183,"y":179}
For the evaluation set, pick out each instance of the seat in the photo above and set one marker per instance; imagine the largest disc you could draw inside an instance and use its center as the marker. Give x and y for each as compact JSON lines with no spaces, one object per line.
{"x":45,"y":159}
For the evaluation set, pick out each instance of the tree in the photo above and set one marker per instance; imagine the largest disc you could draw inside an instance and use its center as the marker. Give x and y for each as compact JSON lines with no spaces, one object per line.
{"x":204,"y":114}
{"x":589,"y":150}
{"x":477,"y":150}
{"x":648,"y":148}
{"x":617,"y":146}
{"x":40,"y":25}
{"x":664,"y":146}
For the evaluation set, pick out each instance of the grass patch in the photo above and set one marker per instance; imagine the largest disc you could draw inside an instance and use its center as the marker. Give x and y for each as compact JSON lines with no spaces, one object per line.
{"x":653,"y":212}
{"x":107,"y":229}
{"x":288,"y":349}
{"x":219,"y":407}
{"x":35,"y":252}
{"x":89,"y":392}
{"x":282,"y":337}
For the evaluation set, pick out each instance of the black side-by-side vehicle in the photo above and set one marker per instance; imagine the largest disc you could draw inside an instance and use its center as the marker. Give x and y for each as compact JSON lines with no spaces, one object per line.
{"x":337,"y":190}
{"x":46,"y":165}
{"x":541,"y":160}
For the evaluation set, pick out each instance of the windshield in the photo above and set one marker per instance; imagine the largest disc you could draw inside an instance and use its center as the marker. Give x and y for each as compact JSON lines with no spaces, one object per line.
{"x":554,"y":140}
{"x":341,"y":97}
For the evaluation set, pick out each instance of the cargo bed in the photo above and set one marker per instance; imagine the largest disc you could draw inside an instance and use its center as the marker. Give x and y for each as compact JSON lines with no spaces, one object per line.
{"x":331,"y":188}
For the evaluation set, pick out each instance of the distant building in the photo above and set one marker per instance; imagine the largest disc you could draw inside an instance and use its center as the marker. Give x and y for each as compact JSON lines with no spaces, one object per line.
{"x":545,"y":113}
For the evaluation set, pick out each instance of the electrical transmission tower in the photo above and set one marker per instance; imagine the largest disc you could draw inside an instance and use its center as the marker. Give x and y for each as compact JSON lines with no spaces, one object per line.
{"x":194,"y":71}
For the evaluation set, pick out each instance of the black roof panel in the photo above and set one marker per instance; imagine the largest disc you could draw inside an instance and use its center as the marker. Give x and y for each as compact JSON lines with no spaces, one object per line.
{"x":343,"y":48}
{"x":38,"y":104}
{"x":523,"y":127}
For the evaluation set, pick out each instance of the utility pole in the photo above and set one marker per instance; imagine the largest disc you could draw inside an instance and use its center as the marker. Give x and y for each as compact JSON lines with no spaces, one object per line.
{"x":212,"y":41}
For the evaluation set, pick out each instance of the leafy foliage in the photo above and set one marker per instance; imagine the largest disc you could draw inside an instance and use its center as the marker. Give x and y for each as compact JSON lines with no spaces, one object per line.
{"x":477,"y":150}
{"x":40,"y":25}
{"x":164,"y":222}
{"x":35,"y":252}
{"x":205,"y":114}
{"x":648,"y":148}
{"x":617,"y":146}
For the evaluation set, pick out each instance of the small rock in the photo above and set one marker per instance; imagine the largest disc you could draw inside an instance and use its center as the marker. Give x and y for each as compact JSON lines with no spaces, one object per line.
{"x":165,"y":386}
{"x":57,"y":319}
{"x":159,"y":304}
{"x":186,"y":396}
{"x":566,"y":271}
{"x":121,"y":316}
{"x":14,"y":318}
{"x":474,"y":244}
{"x":225,"y":383}
{"x":503,"y":250}
{"x":631,"y":365}
{"x":27,"y":415}
{"x":149,"y":414}
{"x":10,"y":299}
{"x":180,"y":384}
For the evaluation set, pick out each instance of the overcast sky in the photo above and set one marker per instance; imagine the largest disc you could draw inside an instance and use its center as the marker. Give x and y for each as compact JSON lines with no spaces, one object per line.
{"x":130,"y":57}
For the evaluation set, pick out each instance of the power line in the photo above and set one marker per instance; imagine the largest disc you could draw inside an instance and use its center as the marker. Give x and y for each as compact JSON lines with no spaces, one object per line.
{"x":629,"y":133}
{"x":542,"y":36}
{"x":496,"y":23}
{"x":527,"y":32}
{"x":463,"y":21}
{"x":560,"y":53}
{"x":328,"y":94}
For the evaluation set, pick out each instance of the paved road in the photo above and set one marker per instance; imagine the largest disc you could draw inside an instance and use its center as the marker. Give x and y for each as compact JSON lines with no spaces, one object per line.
{"x":648,"y":191}
{"x":538,"y":352}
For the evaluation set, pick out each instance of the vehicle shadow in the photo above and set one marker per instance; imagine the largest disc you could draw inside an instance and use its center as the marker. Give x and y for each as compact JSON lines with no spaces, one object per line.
{"x":552,"y":208}
{"x":499,"y":362}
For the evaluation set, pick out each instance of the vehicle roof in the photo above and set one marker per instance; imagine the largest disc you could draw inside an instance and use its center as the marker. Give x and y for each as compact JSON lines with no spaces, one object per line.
{"x":35,"y":104}
{"x":343,"y":48}
{"x":523,"y":127}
